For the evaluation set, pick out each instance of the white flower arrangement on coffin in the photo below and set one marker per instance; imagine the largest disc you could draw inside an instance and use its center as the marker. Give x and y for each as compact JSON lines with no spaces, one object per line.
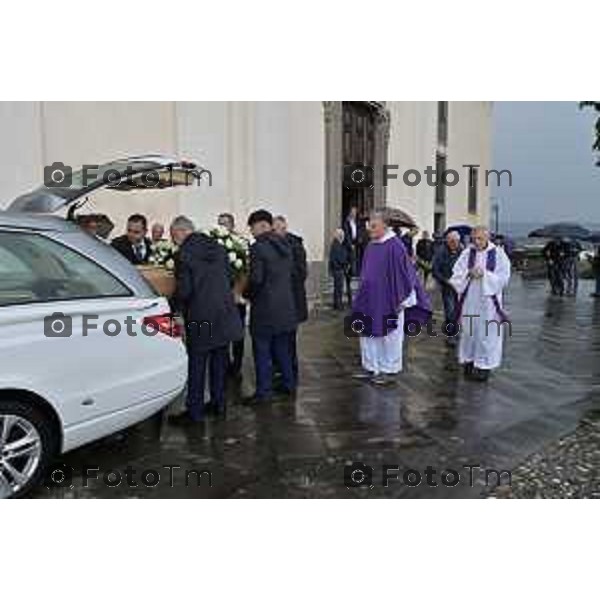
{"x":235,"y":245}
{"x":162,"y":254}
{"x":159,"y":270}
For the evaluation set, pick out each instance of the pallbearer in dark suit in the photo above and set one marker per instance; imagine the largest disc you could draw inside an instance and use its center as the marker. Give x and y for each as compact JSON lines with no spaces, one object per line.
{"x":339,"y":267}
{"x":134,"y":245}
{"x":273,"y":314}
{"x":205,"y":298}
{"x":299,"y":275}
{"x":353,"y":227}
{"x":236,"y":360}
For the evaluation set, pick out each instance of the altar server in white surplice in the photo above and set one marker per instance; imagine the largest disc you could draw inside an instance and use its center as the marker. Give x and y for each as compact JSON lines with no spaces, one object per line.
{"x":479,"y":277}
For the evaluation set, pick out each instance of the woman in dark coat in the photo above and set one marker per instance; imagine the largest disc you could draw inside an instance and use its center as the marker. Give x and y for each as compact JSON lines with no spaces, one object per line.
{"x":205,"y":298}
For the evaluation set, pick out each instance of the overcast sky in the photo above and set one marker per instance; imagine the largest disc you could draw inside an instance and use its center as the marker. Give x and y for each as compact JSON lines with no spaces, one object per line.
{"x":547,"y":146}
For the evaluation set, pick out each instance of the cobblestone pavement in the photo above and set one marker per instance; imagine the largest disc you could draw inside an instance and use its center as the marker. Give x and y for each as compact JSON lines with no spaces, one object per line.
{"x":568,"y":468}
{"x":433,"y":417}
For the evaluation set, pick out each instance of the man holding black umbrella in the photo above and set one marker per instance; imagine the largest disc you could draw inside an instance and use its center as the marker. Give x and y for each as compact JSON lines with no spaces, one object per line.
{"x":561,"y":253}
{"x":554,"y":256}
{"x":572,"y":248}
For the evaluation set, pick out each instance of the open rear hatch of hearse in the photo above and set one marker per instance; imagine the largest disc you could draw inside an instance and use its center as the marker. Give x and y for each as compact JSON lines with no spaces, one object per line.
{"x":131,"y":173}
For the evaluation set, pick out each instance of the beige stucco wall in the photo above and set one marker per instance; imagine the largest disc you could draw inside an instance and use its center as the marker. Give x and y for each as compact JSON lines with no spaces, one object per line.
{"x":469,"y":142}
{"x":261,"y":154}
{"x":21,"y":162}
{"x":412,"y":145}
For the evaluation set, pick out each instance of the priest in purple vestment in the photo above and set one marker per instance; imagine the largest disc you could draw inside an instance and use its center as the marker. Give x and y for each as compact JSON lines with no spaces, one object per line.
{"x":390,"y":295}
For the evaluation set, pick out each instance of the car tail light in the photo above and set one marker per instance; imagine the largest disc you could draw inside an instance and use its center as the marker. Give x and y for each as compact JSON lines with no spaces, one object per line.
{"x":166,"y":324}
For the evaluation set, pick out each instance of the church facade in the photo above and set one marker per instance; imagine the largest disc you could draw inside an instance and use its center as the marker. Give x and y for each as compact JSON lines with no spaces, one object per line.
{"x":289,"y":157}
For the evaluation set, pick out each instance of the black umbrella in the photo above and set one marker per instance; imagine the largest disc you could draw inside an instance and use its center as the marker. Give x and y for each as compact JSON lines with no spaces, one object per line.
{"x":399,"y":218}
{"x":561,"y":230}
{"x":594,"y":237}
{"x":462,"y":230}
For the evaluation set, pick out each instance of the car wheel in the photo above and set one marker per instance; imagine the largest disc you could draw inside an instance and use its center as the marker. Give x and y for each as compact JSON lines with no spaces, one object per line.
{"x":27,"y":443}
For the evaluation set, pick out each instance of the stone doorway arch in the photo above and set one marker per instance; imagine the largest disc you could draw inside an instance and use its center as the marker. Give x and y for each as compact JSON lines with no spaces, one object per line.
{"x":354,"y":132}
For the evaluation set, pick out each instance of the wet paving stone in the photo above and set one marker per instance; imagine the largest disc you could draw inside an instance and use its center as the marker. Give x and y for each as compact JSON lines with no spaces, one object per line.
{"x":432,"y":417}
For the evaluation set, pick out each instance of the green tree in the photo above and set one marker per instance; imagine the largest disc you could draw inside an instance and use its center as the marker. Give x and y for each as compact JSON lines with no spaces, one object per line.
{"x":595,"y":105}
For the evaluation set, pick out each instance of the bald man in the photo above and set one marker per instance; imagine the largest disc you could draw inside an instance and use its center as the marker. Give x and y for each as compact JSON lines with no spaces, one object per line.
{"x":479,"y":277}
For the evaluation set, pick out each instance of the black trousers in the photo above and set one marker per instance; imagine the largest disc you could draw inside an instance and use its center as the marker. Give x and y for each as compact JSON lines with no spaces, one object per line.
{"x":293,"y":343}
{"x":294,"y":354}
{"x":338,"y":288}
{"x":236,"y":357}
{"x":555,"y":276}
{"x":270,"y":350}
{"x":198,"y":361}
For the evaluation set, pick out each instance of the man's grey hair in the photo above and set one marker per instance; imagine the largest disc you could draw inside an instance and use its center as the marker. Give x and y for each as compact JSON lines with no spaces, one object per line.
{"x":380,"y":213}
{"x":280,"y":218}
{"x":453,"y":235}
{"x":481,"y":228}
{"x":183,"y":222}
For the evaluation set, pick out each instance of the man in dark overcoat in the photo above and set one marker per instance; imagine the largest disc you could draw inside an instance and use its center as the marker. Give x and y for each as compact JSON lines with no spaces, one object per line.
{"x":204,"y":296}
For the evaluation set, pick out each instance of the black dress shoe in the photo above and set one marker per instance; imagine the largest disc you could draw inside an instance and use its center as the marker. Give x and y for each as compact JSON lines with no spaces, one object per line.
{"x":220,"y":411}
{"x":215,"y":410}
{"x":278,"y":387}
{"x":384,"y":379}
{"x":254,"y":400}
{"x":284,"y":395}
{"x":481,"y":374}
{"x":468,"y":369}
{"x":363,"y":375}
{"x":183,"y":420}
{"x":234,"y":376}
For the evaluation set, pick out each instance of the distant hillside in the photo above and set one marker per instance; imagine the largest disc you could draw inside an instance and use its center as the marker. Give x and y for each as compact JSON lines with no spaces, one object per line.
{"x":520,"y":230}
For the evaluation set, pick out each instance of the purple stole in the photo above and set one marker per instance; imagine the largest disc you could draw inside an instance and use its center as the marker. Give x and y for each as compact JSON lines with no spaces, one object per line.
{"x":490,"y":265}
